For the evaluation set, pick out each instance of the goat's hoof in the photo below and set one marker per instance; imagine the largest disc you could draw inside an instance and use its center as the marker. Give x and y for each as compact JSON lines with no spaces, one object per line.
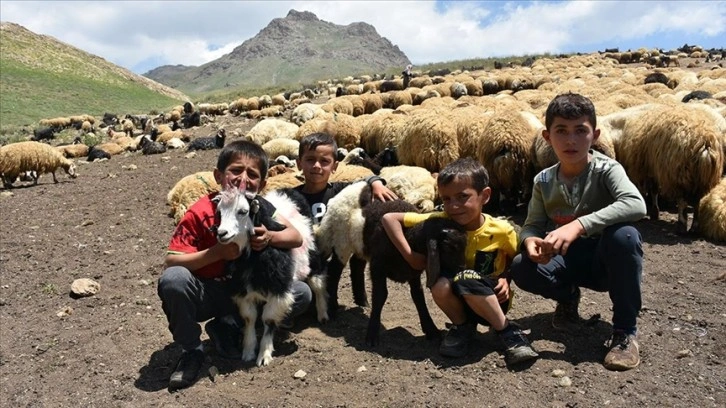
{"x":323,"y":319}
{"x":248,"y":356}
{"x":263,"y":361}
{"x":361,"y":302}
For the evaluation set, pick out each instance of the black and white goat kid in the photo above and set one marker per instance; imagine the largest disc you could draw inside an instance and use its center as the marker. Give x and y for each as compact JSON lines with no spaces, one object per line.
{"x":263,"y":277}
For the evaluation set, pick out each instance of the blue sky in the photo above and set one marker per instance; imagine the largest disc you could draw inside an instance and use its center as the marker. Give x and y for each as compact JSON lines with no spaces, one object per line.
{"x":144,"y":35}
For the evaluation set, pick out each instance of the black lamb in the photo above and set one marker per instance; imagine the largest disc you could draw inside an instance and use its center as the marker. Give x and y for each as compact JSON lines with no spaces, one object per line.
{"x":208,"y":143}
{"x":96,"y":153}
{"x":47,"y":133}
{"x":432,"y":237}
{"x":696,"y":95}
{"x":656,"y":77}
{"x":149,"y":146}
{"x":190,"y":120}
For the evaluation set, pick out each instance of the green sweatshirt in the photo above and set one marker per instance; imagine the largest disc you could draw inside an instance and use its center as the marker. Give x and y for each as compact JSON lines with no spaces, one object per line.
{"x":601,"y":196}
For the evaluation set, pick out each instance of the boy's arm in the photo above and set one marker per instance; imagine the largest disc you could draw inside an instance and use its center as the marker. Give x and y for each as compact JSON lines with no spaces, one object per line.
{"x":379,"y":190}
{"x":197,"y":260}
{"x":627,"y":206}
{"x":536,"y":221}
{"x":393,"y":225}
{"x":288,"y":238}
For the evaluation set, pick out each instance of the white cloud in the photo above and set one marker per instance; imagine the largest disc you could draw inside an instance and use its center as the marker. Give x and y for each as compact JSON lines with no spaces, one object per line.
{"x":137,"y":34}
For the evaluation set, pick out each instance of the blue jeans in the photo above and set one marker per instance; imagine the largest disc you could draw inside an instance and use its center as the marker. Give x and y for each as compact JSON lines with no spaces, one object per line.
{"x":612,"y":262}
{"x":187,"y":299}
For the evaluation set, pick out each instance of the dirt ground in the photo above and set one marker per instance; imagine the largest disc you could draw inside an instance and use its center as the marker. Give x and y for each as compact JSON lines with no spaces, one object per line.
{"x":114,"y":350}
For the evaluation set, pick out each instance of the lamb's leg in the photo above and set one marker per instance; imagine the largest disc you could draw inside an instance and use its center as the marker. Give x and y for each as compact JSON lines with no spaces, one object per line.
{"x":335,"y":270}
{"x":35,"y":176}
{"x":682,"y":208}
{"x":378,"y":298}
{"x":427,"y":324}
{"x":695,"y":228}
{"x":358,"y":280}
{"x":276,"y":308}
{"x":55,"y":180}
{"x":317,"y":284}
{"x":248,"y":311}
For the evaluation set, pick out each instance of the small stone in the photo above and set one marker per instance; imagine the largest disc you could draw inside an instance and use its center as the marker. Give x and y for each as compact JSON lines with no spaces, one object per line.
{"x":166,"y":159}
{"x":213,"y":372}
{"x":300,"y":374}
{"x":132,"y":167}
{"x":557,"y":373}
{"x":7,"y":194}
{"x":144,"y":282}
{"x":66,"y":311}
{"x":84,"y":287}
{"x":86,"y":223}
{"x":190,"y":155}
{"x":564,"y":381}
{"x":684,"y":353}
{"x":361,"y":369}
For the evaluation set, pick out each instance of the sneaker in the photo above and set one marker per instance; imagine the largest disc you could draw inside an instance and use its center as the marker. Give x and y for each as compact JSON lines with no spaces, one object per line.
{"x":624,"y":352}
{"x":566,"y":316}
{"x":517,"y":348}
{"x":456,"y":341}
{"x":226,"y":338}
{"x":187,"y":369}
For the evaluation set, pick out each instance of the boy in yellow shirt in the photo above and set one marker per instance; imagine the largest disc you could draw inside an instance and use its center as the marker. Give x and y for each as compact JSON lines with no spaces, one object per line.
{"x":481,"y":293}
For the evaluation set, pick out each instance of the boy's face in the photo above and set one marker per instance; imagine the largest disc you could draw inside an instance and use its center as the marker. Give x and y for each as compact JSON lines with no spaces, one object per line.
{"x":242,"y":170}
{"x":463,"y":204}
{"x":571,"y":139}
{"x":317,"y":165}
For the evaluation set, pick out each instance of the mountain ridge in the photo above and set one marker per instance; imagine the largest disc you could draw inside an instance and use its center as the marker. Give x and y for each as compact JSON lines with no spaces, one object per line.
{"x":295,"y":49}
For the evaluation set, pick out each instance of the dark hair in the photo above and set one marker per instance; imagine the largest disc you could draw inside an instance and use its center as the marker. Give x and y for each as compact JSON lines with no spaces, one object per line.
{"x":313,"y":140}
{"x":465,"y":168}
{"x":570,"y":106}
{"x":243,"y":148}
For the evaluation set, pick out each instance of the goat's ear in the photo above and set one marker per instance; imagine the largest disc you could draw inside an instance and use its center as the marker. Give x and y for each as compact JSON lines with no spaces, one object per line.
{"x":216,"y":199}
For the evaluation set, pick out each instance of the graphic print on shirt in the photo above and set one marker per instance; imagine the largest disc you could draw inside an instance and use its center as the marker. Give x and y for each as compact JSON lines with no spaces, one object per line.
{"x":484,"y":262}
{"x":318,"y":210}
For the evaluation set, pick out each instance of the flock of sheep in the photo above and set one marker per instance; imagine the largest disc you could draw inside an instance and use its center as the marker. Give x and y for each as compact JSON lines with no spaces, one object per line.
{"x":666,"y":125}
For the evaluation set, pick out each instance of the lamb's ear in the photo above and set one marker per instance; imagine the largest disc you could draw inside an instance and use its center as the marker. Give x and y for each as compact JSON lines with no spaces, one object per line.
{"x":216,"y":199}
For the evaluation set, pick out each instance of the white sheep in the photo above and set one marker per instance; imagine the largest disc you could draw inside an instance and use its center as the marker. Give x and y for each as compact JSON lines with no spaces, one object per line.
{"x":282,"y":147}
{"x":38,"y":158}
{"x":188,"y":190}
{"x":712,"y":213}
{"x":269,"y":129}
{"x":676,"y":152}
{"x":412,"y":184}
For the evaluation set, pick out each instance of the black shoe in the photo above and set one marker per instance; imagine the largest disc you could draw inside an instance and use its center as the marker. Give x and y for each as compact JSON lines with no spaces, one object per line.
{"x":517,"y":348}
{"x":187,"y":369}
{"x":226,"y":338}
{"x":456,"y":341}
{"x":567,"y":315}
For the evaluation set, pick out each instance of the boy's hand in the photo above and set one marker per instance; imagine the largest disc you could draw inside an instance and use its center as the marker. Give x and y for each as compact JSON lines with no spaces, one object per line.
{"x":536,"y":250}
{"x":261,"y":238}
{"x":417,"y":261}
{"x":502,"y":290}
{"x":560,"y":239}
{"x":381,"y":192}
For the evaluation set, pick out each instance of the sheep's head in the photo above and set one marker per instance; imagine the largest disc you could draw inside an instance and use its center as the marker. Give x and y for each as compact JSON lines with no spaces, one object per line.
{"x":70,"y":168}
{"x":235,"y":218}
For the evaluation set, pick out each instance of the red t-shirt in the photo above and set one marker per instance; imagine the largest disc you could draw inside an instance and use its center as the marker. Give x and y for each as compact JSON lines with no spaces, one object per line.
{"x":194,"y":234}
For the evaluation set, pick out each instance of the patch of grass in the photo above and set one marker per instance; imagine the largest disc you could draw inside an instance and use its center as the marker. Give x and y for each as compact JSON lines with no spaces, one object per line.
{"x":28,"y":95}
{"x":50,"y":289}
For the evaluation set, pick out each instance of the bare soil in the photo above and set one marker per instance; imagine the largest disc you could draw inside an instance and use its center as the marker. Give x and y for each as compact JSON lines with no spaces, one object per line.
{"x":113,"y":349}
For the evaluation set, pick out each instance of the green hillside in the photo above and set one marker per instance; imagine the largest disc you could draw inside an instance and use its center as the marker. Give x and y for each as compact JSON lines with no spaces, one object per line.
{"x":41,"y":77}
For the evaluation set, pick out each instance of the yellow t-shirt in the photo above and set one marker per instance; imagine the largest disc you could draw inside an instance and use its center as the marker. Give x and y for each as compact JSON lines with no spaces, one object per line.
{"x":489,"y":249}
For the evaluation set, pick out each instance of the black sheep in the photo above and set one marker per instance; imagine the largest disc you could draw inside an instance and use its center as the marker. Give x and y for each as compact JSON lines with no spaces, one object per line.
{"x":47,"y":133}
{"x":656,"y":77}
{"x":190,"y":120}
{"x":696,"y":95}
{"x":96,"y":153}
{"x":386,"y":262}
{"x":149,"y":146}
{"x":208,"y":143}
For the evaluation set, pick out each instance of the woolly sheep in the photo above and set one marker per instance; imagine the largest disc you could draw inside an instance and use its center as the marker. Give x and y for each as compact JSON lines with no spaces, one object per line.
{"x":187,"y":191}
{"x":676,"y":152}
{"x":35,"y":157}
{"x":344,"y":129}
{"x":303,"y":113}
{"x":428,"y":140}
{"x":76,"y":149}
{"x":712,"y":213}
{"x":412,"y":184}
{"x":269,"y":129}
{"x":282,"y":147}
